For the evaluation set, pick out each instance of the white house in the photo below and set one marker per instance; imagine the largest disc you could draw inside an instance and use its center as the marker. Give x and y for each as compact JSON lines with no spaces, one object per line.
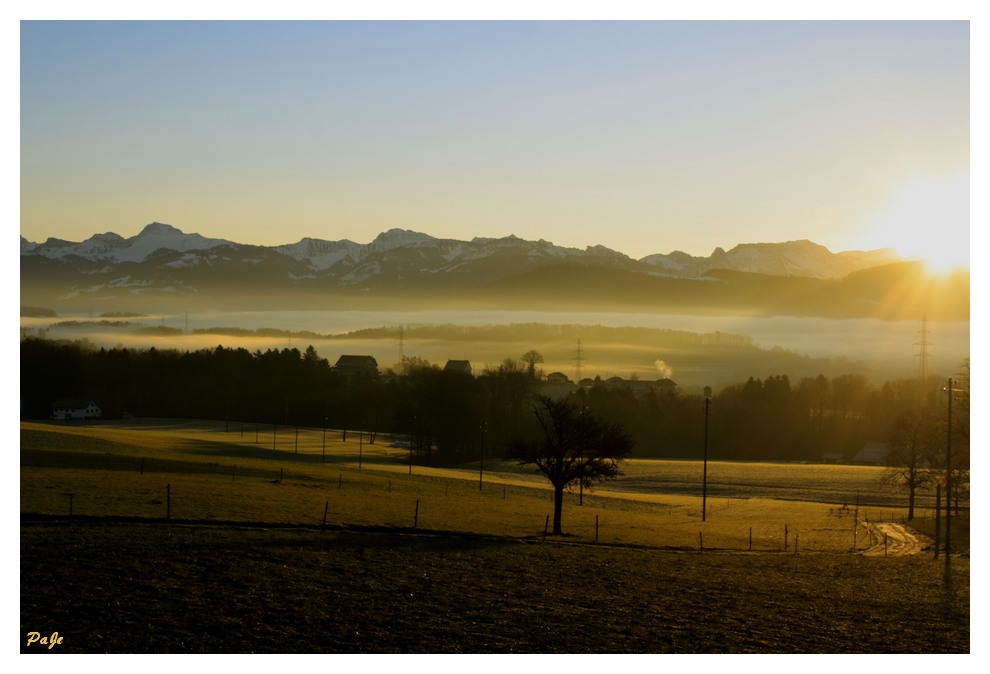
{"x":75,"y":408}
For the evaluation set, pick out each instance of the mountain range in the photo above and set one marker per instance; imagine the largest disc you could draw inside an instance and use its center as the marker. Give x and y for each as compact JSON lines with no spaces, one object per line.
{"x":164,"y":264}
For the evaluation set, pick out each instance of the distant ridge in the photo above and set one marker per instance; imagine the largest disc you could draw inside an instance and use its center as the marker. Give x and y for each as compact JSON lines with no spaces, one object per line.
{"x":790,"y":258}
{"x":163,"y":265}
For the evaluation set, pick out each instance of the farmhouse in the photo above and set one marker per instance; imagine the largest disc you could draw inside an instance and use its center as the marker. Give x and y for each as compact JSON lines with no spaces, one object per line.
{"x":352,"y":366}
{"x":872,"y":454}
{"x":557,"y":390}
{"x":641,"y":385}
{"x":459,"y":367}
{"x":75,"y":408}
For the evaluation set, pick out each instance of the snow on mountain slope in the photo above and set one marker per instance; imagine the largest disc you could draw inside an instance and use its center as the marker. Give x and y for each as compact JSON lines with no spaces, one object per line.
{"x":320,"y":254}
{"x":400,"y":252}
{"x":113,"y":247}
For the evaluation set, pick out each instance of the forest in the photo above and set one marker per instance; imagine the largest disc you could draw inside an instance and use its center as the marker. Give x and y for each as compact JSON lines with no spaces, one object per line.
{"x":451,"y":417}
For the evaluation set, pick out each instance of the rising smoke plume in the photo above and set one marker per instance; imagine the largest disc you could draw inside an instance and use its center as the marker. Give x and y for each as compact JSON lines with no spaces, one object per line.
{"x":663,"y":368}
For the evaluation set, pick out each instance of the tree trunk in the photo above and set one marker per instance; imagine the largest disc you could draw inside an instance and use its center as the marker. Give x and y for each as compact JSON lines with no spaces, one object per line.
{"x":558,"y":503}
{"x":911,"y":502}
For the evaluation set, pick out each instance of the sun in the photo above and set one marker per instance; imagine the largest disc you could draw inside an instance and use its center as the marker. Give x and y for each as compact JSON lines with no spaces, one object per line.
{"x":926,"y":218}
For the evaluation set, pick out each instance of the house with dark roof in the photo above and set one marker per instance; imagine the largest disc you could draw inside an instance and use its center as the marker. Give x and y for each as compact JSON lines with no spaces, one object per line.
{"x":459,"y":366}
{"x":872,"y":454}
{"x":353,"y":366}
{"x":641,"y":385}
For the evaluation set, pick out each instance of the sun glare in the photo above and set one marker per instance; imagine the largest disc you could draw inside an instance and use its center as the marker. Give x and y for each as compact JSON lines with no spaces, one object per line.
{"x":926,"y":218}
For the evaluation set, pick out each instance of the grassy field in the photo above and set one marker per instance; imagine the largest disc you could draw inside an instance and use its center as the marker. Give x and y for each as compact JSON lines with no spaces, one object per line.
{"x":239,"y":547}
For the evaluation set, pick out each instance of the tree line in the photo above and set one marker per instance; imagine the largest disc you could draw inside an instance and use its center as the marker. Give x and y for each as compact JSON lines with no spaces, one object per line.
{"x":451,"y":417}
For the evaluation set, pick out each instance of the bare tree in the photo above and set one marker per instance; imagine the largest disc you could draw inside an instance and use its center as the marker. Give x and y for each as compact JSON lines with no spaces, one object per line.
{"x":531,"y":358}
{"x":914,"y":440}
{"x":570,"y":444}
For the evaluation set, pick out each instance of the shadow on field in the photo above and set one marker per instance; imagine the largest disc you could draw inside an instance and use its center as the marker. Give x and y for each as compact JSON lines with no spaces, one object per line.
{"x":426,"y":541}
{"x":133,"y":464}
{"x":224,"y":449}
{"x":148,"y":588}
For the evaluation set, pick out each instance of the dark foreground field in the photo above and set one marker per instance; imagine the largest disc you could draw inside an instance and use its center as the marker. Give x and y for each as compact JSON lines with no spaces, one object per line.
{"x":137,"y":588}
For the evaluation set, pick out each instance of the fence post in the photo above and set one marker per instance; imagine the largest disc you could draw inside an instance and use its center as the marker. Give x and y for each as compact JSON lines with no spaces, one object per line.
{"x":938,"y":518}
{"x":545,"y":526}
{"x":885,"y":544}
{"x":416,"y":516}
{"x":785,"y":537}
{"x":796,"y":536}
{"x":326,"y":508}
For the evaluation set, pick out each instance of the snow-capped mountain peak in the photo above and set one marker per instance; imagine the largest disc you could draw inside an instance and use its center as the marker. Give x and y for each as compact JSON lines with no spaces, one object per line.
{"x":112,"y":247}
{"x":397,"y":253}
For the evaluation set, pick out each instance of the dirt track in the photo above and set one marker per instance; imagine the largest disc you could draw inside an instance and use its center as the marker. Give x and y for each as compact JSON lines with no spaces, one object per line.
{"x":893,"y":540}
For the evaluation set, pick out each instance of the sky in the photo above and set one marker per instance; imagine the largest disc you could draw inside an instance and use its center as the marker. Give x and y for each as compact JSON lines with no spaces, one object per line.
{"x":642,"y":136}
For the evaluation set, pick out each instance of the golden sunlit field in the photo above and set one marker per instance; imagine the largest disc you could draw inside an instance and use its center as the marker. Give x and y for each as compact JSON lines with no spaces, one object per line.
{"x":132,"y":509}
{"x":199,"y":471}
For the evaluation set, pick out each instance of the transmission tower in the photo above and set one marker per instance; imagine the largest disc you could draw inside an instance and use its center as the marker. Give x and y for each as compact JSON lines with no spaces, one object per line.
{"x":578,"y":358}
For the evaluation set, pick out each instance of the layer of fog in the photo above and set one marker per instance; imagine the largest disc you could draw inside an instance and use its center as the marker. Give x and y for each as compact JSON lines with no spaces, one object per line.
{"x":887,"y":349}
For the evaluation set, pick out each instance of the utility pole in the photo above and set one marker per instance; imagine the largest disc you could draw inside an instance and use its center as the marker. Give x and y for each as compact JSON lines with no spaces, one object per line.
{"x":704,"y":478}
{"x":948,"y":487}
{"x":948,"y":479}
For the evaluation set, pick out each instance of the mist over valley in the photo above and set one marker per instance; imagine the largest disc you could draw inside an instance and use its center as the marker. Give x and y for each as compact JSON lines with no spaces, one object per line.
{"x":696,"y":350}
